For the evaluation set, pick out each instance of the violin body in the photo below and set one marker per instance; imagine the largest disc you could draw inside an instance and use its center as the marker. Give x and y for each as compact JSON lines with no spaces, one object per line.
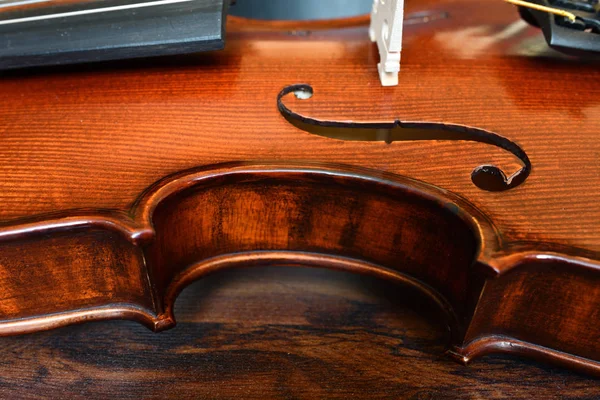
{"x":475,"y":180}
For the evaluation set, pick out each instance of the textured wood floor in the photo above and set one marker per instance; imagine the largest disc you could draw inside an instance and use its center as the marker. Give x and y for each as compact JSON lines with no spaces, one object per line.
{"x":275,"y":333}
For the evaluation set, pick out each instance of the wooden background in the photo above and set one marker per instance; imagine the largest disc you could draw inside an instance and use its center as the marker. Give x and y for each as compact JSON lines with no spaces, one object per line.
{"x":275,"y":333}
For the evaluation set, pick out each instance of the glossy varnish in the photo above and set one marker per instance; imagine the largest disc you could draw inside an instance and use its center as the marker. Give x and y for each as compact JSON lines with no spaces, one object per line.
{"x":123,"y":183}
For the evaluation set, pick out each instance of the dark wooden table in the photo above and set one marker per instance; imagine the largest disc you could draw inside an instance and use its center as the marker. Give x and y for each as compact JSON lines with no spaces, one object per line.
{"x":275,"y":333}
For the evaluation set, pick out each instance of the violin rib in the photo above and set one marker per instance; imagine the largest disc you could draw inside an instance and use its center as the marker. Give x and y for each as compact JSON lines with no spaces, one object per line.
{"x":96,"y":267}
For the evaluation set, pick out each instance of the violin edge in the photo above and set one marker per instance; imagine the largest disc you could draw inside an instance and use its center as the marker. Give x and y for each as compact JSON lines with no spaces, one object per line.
{"x":142,"y":228}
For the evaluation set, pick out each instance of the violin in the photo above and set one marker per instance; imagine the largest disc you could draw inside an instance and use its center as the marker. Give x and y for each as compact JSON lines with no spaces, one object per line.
{"x":475,"y":180}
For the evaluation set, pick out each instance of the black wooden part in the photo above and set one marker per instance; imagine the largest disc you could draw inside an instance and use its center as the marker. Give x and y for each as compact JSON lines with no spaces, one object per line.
{"x":579,"y":38}
{"x":163,"y":29}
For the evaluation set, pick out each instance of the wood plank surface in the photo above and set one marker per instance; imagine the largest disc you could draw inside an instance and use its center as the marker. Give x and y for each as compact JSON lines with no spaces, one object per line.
{"x":275,"y":333}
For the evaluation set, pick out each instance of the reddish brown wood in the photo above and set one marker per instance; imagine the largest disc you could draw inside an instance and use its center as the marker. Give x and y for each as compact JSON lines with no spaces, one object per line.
{"x":124,"y":182}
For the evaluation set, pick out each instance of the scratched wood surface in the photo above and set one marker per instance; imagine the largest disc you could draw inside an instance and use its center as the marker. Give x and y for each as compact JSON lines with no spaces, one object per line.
{"x":275,"y":333}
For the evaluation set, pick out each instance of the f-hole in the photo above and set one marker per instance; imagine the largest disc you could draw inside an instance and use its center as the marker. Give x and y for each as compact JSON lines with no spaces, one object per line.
{"x":486,"y":177}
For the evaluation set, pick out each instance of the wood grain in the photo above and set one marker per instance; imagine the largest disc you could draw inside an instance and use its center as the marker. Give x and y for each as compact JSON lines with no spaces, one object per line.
{"x":276,"y":333}
{"x":206,"y":109}
{"x":169,"y":159}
